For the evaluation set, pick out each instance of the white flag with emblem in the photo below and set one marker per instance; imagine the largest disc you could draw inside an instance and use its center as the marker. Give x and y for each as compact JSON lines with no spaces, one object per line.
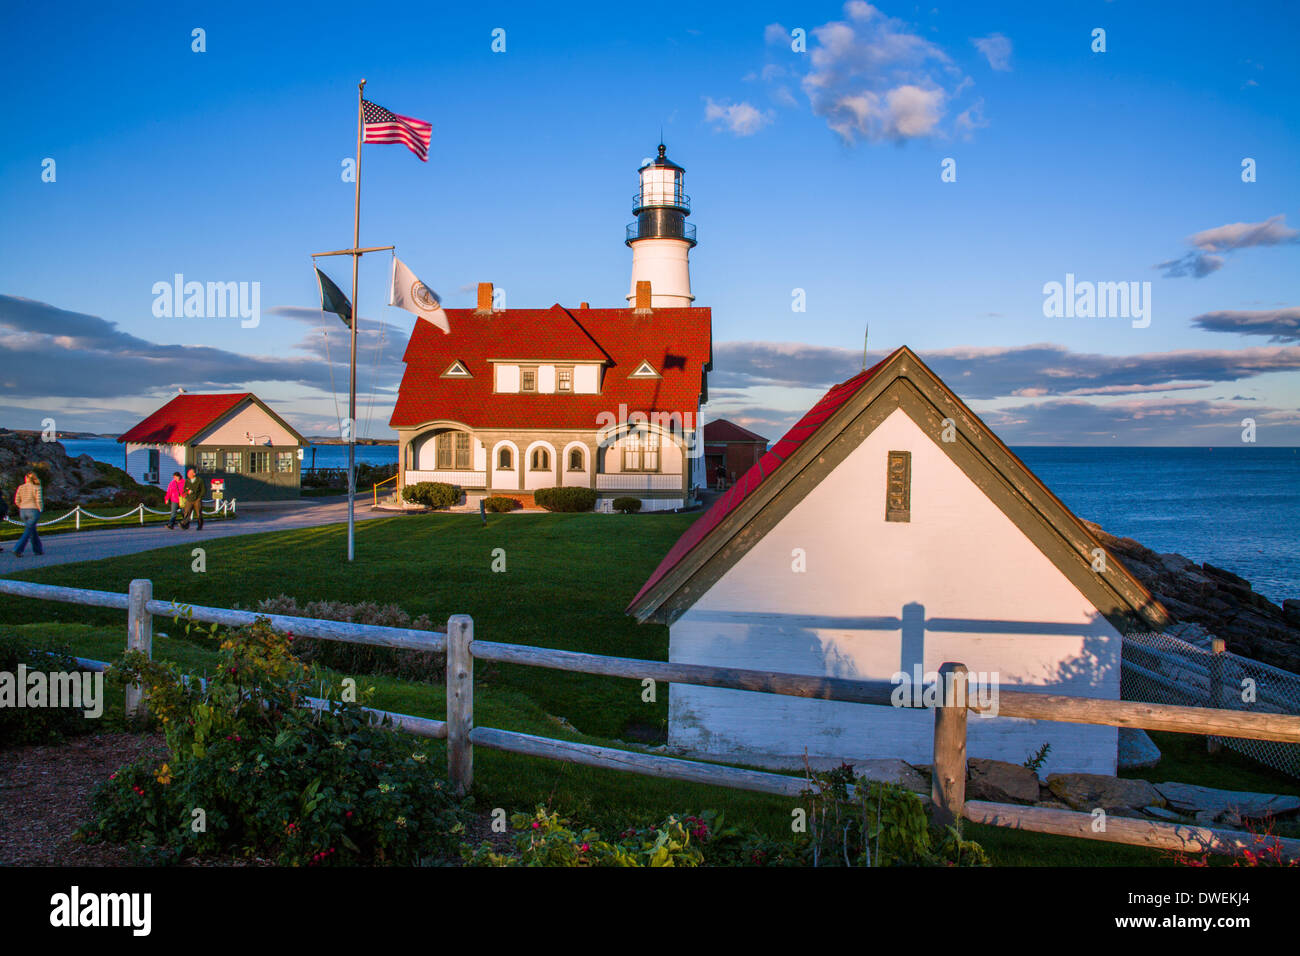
{"x":411,"y":294}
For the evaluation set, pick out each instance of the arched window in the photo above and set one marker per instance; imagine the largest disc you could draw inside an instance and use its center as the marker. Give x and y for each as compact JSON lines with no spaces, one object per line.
{"x":575,"y":459}
{"x":541,"y":460}
{"x":505,"y":460}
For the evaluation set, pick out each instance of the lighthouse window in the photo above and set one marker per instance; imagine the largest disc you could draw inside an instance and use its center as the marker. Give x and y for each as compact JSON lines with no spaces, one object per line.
{"x":564,"y":379}
{"x":528,"y":379}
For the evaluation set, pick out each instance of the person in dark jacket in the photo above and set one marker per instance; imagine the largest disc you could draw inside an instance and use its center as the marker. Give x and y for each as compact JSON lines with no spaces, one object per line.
{"x":192,"y":498}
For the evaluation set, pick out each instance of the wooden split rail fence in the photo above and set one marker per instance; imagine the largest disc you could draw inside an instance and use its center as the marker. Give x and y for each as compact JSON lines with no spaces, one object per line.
{"x":948,"y":784}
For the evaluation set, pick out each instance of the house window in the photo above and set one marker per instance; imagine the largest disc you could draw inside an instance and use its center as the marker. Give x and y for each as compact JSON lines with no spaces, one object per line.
{"x":284,"y":462}
{"x":207,"y":462}
{"x":259,"y":462}
{"x":541,"y":460}
{"x":234,"y":461}
{"x":564,"y":379}
{"x":505,"y":460}
{"x":453,"y":451}
{"x":898,"y":486}
{"x":575,"y":459}
{"x":528,"y":380}
{"x":640,"y":452}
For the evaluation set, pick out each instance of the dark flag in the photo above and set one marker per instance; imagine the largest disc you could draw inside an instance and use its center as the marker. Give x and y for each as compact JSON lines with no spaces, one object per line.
{"x":333,"y":300}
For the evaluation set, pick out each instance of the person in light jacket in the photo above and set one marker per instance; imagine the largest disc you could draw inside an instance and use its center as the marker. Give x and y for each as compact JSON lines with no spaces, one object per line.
{"x":173,"y":497}
{"x":30,"y":503}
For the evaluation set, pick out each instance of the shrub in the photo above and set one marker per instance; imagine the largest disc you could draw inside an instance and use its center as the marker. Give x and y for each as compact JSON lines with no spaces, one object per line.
{"x":880,"y":824}
{"x":500,"y":503}
{"x":565,"y":499}
{"x":272,"y":778}
{"x":544,"y":839}
{"x":627,"y":505}
{"x":432,"y":494}
{"x":38,"y":725}
{"x":361,"y":658}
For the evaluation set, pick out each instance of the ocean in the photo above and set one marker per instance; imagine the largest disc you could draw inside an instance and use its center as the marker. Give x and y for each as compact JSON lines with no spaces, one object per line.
{"x":1237,"y":507}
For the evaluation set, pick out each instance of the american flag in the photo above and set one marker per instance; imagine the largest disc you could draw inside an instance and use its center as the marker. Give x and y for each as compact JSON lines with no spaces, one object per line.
{"x":381,"y":126}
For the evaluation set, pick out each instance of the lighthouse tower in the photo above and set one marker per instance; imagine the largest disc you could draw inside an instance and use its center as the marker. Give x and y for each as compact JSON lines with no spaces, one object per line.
{"x":661,"y":239}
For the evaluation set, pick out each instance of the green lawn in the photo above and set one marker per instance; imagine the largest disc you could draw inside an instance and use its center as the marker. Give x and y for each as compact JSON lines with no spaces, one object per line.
{"x":567,"y":580}
{"x":12,"y":532}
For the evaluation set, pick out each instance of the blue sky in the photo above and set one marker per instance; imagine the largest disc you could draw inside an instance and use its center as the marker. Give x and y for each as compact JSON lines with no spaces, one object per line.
{"x":816,"y":170}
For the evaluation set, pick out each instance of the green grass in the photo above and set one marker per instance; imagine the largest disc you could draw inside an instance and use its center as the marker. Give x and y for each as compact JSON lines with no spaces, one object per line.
{"x":10,"y":532}
{"x":567,"y":581}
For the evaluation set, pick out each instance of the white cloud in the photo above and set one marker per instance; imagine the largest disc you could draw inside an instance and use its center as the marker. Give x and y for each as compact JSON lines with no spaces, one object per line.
{"x":996,"y":49}
{"x":742,"y":119}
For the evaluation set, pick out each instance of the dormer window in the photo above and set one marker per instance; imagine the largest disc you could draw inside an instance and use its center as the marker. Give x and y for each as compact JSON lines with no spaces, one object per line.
{"x":457,"y":369}
{"x":563,"y":379}
{"x":644,"y":370}
{"x":528,"y":380}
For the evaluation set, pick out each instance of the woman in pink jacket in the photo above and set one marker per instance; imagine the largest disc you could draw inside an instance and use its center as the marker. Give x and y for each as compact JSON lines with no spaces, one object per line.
{"x":173,"y":497}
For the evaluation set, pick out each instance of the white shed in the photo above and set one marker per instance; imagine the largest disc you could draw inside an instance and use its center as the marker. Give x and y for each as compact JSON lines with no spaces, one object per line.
{"x":890,"y":531}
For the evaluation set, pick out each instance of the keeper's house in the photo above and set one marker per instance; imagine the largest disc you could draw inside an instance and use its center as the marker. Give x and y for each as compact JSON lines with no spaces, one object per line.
{"x":888,"y":532}
{"x":232,"y":437}
{"x":514,"y":400}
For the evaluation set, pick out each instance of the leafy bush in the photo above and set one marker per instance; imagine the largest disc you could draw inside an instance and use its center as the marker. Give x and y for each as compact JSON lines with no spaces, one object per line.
{"x":544,"y":839}
{"x":499,"y":503}
{"x":432,"y":494}
{"x":361,"y":658}
{"x":879,"y":824}
{"x":627,"y":505}
{"x":250,"y":771}
{"x":565,"y":499}
{"x":38,"y":725}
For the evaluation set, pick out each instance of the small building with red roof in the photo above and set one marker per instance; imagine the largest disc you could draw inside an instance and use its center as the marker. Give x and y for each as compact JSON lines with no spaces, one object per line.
{"x":233,"y":438}
{"x":890,"y":531}
{"x":730,"y":450}
{"x":510,"y":401}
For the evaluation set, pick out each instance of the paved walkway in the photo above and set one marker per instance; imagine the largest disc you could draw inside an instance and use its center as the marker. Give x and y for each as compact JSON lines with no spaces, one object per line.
{"x":73,"y":546}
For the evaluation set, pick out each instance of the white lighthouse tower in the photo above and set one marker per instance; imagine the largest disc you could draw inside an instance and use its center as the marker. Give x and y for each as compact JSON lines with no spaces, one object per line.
{"x":661,"y":239}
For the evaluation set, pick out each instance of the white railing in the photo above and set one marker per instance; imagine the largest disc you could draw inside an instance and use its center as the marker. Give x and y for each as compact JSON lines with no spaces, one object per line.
{"x":466,"y":479}
{"x":638,"y":482}
{"x":949,"y":701}
{"x":225,"y":506}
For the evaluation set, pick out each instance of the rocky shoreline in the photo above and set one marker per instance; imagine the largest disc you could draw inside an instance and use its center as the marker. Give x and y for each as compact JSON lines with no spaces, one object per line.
{"x":1206,"y":602}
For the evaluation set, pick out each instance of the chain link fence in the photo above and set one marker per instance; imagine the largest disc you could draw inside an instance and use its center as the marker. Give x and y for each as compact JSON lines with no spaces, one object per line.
{"x":1162,"y":669}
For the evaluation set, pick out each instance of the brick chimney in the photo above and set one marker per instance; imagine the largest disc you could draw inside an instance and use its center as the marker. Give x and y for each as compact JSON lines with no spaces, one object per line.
{"x":584,"y":305}
{"x":643,"y":295}
{"x":484,"y":298}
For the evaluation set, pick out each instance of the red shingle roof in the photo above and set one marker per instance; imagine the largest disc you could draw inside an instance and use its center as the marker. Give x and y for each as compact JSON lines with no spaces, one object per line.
{"x":677,"y":342}
{"x":722,"y":430}
{"x":182,"y":419}
{"x":804,"y":429}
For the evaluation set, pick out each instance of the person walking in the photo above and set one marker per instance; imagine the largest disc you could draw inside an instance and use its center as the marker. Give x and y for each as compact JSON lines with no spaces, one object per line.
{"x":30,"y":503}
{"x":173,"y":497}
{"x":192,"y":498}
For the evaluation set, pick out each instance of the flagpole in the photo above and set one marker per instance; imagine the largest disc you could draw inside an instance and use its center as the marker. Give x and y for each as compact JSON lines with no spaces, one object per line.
{"x":352,"y":365}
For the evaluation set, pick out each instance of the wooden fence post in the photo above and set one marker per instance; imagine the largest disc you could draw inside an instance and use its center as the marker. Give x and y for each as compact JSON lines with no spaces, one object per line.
{"x":139,"y":637}
{"x":948,"y":780}
{"x":460,"y":702}
{"x":1217,"y":646}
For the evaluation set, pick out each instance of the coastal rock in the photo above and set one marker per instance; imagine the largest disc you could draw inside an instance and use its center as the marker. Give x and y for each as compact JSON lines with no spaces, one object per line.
{"x":1219,"y":602}
{"x":1136,"y":749}
{"x":1000,"y":782}
{"x":69,"y":477}
{"x":1189,"y":798}
{"x":1085,"y":791}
